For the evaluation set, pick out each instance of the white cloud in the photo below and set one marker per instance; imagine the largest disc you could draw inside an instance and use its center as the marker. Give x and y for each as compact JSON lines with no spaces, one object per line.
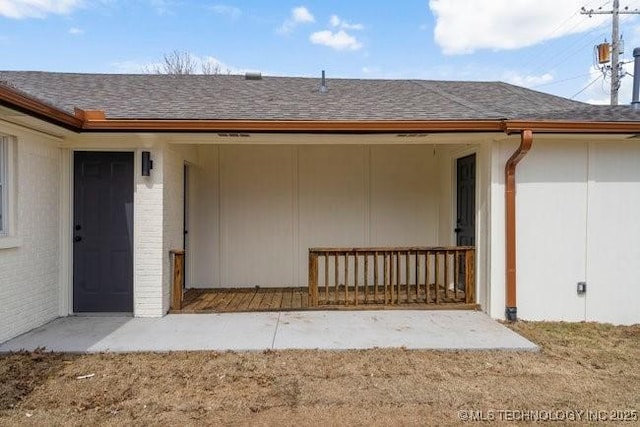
{"x":370,"y":70}
{"x":525,"y":80}
{"x":164,"y":7}
{"x":230,"y":11}
{"x":462,"y":26}
{"x":18,"y":9}
{"x":74,"y":31}
{"x":336,"y":21}
{"x":299,"y":15}
{"x":214,"y":64}
{"x":132,"y":67}
{"x":339,"y":40}
{"x":600,"y":91}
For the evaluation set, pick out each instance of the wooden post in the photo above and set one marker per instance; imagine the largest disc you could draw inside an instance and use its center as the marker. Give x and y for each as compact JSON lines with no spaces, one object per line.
{"x":384,"y":276}
{"x":446,"y":274}
{"x":178,"y":278}
{"x":426,"y":277}
{"x":417,"y":276}
{"x":336,"y":281}
{"x":456,"y":273}
{"x":346,"y":277}
{"x":375,"y":276}
{"x":436,"y":269}
{"x":366,"y":277}
{"x":355,"y":277}
{"x":469,"y":286}
{"x":313,"y":279}
{"x":326,"y":278}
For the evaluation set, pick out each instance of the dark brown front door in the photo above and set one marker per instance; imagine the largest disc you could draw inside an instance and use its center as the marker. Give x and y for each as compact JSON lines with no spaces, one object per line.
{"x":103,"y":232}
{"x":466,"y":201}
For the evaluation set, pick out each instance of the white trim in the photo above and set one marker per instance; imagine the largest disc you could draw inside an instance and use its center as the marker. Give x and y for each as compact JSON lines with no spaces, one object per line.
{"x":23,"y":128}
{"x":7,"y":242}
{"x":295,"y":212}
{"x":4,"y":183}
{"x":187,"y":194}
{"x":9,"y":177}
{"x":66,"y":227}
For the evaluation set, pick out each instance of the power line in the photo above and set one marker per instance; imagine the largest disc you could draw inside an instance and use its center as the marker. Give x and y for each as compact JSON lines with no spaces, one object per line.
{"x":545,"y":52}
{"x":587,"y":86}
{"x":616,"y":67}
{"x":549,"y":35}
{"x":551,"y":65}
{"x":561,"y":81}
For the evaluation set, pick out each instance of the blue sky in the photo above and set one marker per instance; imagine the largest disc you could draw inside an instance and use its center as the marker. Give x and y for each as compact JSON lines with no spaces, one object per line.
{"x":543,"y":44}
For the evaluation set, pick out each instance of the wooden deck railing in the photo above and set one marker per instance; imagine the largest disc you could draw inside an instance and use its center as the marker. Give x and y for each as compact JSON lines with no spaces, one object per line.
{"x":177,"y":278}
{"x":352,"y":276}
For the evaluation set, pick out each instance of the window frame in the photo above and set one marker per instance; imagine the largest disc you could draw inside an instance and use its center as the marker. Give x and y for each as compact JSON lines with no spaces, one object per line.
{"x":5,"y":221}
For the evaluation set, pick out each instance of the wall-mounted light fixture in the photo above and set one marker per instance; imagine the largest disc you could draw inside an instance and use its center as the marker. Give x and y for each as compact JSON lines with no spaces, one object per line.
{"x":147,"y":163}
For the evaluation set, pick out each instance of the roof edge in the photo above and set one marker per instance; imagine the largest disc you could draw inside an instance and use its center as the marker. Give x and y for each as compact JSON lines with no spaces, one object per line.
{"x":96,"y":121}
{"x":568,"y":126}
{"x":17,"y":100}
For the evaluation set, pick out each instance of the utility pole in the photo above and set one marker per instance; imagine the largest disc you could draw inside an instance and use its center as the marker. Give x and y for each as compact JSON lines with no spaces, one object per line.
{"x":616,"y":66}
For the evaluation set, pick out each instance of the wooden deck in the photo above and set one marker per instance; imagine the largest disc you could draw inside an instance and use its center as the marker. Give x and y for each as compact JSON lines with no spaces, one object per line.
{"x":290,"y":299}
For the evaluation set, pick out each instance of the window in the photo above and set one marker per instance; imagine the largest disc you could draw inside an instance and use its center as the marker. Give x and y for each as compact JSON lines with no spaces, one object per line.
{"x":4,"y":188}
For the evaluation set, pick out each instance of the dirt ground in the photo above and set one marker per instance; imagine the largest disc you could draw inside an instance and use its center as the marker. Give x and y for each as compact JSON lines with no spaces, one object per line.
{"x":582,"y":367}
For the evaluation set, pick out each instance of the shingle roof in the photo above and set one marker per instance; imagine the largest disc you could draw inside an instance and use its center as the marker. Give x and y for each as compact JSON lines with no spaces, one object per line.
{"x":231,"y":97}
{"x":590,"y":113}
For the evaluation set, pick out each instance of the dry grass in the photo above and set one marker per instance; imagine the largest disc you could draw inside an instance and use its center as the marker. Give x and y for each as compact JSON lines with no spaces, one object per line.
{"x":581,"y":366}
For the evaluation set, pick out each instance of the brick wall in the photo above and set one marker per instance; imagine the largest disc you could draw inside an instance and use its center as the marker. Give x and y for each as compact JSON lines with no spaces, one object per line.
{"x":29,"y":273}
{"x":173,"y":209}
{"x":148,"y":249}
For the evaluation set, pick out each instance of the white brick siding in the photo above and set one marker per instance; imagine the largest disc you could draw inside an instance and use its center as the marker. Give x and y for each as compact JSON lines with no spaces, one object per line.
{"x":173,"y":222}
{"x":148,"y":250}
{"x":29,"y":273}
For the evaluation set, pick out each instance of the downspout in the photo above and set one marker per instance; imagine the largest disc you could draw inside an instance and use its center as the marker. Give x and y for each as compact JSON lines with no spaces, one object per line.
{"x":526,"y":139}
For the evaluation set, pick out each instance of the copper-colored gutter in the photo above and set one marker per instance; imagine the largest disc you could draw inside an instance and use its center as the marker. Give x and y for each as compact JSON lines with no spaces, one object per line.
{"x":547,"y":126}
{"x":328,"y":126}
{"x":27,"y":104}
{"x":526,"y":140}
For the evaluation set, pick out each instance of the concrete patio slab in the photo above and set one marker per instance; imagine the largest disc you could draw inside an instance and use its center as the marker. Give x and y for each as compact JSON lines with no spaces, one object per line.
{"x":325,"y":330}
{"x":419,"y":329}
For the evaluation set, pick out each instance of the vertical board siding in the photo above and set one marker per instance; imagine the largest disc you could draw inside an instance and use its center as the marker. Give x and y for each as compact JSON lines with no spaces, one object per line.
{"x":256,"y":215}
{"x":351,"y":195}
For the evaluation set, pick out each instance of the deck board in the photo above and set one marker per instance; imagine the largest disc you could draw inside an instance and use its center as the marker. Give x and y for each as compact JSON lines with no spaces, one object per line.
{"x":288,"y":299}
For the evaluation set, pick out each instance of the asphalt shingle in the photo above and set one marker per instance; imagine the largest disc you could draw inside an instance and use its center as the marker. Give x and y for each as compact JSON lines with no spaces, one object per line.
{"x":232,"y":97}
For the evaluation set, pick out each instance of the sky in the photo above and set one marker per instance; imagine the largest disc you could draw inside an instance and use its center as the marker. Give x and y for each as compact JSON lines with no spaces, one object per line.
{"x":546,"y":45}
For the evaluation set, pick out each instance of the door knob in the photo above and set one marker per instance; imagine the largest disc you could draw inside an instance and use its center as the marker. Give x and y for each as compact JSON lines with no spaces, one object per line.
{"x":457,"y":229}
{"x":77,"y":239}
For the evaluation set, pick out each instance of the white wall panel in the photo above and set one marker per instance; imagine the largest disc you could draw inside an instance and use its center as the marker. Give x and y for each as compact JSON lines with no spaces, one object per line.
{"x":333,"y":188}
{"x":551,"y":217}
{"x":204,"y":228}
{"x":256,"y":208}
{"x":404,"y":195}
{"x":613,"y":257}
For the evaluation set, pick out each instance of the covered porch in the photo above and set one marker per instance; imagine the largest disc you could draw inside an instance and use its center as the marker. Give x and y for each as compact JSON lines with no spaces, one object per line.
{"x":300,"y":222}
